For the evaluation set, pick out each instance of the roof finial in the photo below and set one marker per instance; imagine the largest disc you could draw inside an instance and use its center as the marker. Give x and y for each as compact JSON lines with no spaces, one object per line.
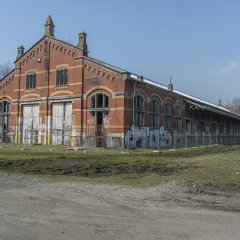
{"x":220,"y":102}
{"x":49,"y":27}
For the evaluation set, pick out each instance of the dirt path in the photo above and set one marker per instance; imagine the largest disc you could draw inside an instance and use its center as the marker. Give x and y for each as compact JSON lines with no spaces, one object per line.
{"x":36,"y":208}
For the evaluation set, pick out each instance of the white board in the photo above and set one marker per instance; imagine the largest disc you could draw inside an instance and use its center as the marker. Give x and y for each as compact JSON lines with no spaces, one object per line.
{"x":30,"y":124}
{"x":61,"y":122}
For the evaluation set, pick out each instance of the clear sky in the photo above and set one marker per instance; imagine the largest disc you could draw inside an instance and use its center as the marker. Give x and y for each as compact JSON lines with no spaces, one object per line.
{"x":197,"y":42}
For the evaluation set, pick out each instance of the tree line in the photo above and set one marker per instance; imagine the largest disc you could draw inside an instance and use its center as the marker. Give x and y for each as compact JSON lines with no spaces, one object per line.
{"x":5,"y":68}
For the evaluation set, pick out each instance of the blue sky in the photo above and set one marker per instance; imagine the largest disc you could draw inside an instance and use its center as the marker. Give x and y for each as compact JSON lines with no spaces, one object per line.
{"x":197,"y":42}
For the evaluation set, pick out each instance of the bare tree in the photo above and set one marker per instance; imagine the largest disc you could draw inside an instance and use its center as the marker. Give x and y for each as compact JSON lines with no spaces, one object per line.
{"x":234,"y":105}
{"x":5,"y":68}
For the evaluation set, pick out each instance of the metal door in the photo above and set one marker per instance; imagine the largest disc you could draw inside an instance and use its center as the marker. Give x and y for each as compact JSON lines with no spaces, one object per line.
{"x":30,"y":124}
{"x":61,"y":123}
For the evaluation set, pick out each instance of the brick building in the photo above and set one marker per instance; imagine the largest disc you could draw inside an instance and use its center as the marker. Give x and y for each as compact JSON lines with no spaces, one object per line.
{"x":56,"y":93}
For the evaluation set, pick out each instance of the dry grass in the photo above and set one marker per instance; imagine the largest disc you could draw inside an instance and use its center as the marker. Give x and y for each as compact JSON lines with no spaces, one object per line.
{"x":202,"y":169}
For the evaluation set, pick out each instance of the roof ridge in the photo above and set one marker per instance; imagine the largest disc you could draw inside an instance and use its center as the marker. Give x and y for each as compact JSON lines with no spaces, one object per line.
{"x":51,"y":37}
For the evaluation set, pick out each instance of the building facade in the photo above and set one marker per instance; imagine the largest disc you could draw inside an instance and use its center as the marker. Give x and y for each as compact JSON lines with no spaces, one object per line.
{"x":58,"y":94}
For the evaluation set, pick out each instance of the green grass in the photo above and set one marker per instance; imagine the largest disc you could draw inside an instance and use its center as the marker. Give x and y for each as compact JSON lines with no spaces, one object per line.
{"x":201,"y":169}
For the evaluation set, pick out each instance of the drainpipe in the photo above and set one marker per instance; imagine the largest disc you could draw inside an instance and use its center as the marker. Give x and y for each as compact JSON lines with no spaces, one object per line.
{"x":134,"y":89}
{"x":18,"y":108}
{"x":47,"y":63}
{"x":82,"y":103}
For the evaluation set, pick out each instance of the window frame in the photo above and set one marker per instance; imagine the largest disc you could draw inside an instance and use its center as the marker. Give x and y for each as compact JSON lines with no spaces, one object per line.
{"x":61,"y":77}
{"x":168,"y":115}
{"x":95,"y":105}
{"x":5,"y":115}
{"x":178,"y":117}
{"x":31,"y":81}
{"x":139,"y":107}
{"x":155,"y":113}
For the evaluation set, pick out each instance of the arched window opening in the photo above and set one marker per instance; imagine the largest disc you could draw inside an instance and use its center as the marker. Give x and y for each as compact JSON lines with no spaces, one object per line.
{"x":139,"y":111}
{"x":4,"y":117}
{"x":155,"y":113}
{"x":178,"y":118}
{"x":99,"y":102}
{"x":168,"y":116}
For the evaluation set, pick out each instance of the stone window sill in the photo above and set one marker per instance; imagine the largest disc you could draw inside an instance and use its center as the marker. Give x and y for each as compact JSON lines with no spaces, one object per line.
{"x":31,"y":90}
{"x":61,"y":87}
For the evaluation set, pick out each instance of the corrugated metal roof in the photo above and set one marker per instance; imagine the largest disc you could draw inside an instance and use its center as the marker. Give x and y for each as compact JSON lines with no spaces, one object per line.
{"x":207,"y":105}
{"x":196,"y":104}
{"x":202,"y":101}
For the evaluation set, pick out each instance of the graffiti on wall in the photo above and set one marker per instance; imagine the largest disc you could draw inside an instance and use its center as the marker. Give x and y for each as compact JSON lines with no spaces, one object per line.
{"x":146,"y":137}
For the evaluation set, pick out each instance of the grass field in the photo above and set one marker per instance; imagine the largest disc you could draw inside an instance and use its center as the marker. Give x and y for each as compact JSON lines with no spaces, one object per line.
{"x":201,"y":169}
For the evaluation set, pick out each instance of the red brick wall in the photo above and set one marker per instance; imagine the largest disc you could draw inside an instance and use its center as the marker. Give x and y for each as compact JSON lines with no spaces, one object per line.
{"x":97,"y":78}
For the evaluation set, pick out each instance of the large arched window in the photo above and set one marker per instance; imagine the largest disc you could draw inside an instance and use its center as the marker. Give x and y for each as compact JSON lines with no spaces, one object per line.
{"x":178,"y":117}
{"x":99,"y":102}
{"x":139,"y":111}
{"x":168,"y":115}
{"x":4,"y":116}
{"x":155,"y":113}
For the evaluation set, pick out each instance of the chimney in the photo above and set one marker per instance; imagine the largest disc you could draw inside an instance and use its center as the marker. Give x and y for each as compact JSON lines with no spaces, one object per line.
{"x":82,"y":43}
{"x":49,"y":27}
{"x":20,"y":52}
{"x":170,"y":85}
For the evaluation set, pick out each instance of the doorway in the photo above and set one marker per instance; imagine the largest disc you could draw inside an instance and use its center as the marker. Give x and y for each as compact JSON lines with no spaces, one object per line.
{"x":99,"y":110}
{"x":99,"y":129}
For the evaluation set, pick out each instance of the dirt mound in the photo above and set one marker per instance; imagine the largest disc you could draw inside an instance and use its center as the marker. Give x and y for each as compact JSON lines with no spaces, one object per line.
{"x":85,"y":168}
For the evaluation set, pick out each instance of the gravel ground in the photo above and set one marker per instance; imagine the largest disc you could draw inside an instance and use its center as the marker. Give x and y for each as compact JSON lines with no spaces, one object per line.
{"x":40,"y":208}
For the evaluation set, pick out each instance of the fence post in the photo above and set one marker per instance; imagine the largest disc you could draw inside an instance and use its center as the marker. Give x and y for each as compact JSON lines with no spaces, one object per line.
{"x":174,"y":139}
{"x":186,"y":139}
{"x":158,"y":139}
{"x":216,"y":139}
{"x":203,"y":135}
{"x":196,"y":139}
{"x":26,"y":133}
{"x":210,"y":139}
{"x":123,"y":141}
{"x":18,"y":134}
